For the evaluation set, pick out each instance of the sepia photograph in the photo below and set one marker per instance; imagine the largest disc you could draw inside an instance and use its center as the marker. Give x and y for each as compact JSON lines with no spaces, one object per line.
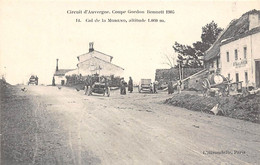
{"x":125,"y":82}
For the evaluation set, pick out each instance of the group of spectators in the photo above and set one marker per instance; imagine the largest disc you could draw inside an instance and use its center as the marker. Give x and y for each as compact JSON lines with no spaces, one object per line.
{"x":124,"y":84}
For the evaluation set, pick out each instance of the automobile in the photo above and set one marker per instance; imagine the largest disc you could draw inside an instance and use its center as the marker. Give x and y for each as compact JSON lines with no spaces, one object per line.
{"x":100,"y":88}
{"x":145,"y":85}
{"x":33,"y":80}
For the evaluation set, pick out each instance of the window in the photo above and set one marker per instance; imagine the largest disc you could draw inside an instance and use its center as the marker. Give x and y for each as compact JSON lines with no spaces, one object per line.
{"x":246,"y":77}
{"x":227,"y":56}
{"x":237,"y":77}
{"x":245,"y":52}
{"x":236,"y":56}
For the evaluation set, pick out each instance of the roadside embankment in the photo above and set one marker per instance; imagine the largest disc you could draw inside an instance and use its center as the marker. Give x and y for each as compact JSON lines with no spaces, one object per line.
{"x":244,"y":108}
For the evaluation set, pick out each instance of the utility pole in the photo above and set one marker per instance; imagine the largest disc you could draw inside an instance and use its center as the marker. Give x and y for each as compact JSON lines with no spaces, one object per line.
{"x":180,"y":72}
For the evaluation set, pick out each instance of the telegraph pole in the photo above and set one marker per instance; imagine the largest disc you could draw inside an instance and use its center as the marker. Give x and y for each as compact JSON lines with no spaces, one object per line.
{"x":180,"y":72}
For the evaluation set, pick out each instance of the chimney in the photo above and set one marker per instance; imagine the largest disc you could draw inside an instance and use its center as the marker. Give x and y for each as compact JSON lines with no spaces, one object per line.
{"x":91,"y":48}
{"x":254,"y":21}
{"x":57,"y":63}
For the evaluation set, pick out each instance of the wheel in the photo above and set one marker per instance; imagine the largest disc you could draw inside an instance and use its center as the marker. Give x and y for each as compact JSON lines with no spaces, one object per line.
{"x":205,"y":83}
{"x":206,"y":87}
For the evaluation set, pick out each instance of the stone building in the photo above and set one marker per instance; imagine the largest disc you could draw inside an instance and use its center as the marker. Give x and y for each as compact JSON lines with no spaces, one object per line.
{"x":59,"y":74}
{"x":236,"y":52}
{"x":95,"y":62}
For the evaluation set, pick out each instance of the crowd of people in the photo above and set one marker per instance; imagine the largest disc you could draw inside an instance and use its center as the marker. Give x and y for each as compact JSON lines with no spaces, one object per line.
{"x":89,"y":81}
{"x":124,"y":84}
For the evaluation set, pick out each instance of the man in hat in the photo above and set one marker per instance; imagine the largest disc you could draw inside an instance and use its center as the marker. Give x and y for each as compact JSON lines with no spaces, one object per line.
{"x":130,"y":85}
{"x":122,"y":87}
{"x":155,"y":86}
{"x":179,"y":83}
{"x":170,"y":87}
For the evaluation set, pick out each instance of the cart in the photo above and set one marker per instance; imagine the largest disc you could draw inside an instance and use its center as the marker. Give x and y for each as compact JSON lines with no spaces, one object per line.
{"x":217,"y":84}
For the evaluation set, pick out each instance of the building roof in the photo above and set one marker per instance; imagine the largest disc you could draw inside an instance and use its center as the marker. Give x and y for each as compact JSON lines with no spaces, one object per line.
{"x":94,"y":52}
{"x":61,"y":72}
{"x":72,"y":72}
{"x":251,"y":32}
{"x":236,"y":29}
{"x":103,"y":61}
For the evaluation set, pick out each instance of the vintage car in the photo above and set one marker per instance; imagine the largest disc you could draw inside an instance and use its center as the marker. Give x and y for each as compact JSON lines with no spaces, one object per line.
{"x":145,"y":85}
{"x":33,"y":80}
{"x":100,"y":88}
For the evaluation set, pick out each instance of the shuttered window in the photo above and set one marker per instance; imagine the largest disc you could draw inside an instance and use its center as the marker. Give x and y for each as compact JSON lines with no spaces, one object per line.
{"x":227,"y":56}
{"x":245,"y":52}
{"x":236,"y":55}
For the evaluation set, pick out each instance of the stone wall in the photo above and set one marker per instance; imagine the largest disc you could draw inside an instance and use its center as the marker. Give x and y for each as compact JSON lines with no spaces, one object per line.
{"x":172,"y":74}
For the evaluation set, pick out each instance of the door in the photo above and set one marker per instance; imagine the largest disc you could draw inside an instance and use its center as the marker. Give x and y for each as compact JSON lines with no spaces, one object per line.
{"x":257,"y":74}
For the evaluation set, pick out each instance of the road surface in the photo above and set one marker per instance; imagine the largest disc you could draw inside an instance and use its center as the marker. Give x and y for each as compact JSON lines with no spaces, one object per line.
{"x":47,"y":125}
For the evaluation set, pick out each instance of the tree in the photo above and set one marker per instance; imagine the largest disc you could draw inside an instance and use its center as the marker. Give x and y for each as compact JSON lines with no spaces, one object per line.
{"x":169,"y":60}
{"x":210,"y":33}
{"x":190,"y":56}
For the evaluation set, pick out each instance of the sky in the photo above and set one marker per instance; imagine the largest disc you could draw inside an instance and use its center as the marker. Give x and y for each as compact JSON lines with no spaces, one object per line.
{"x":35,"y":33}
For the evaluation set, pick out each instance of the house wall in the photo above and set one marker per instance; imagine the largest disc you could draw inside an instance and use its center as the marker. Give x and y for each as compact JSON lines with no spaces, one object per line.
{"x":242,"y":64}
{"x":256,"y":46}
{"x":58,"y":80}
{"x":94,"y":54}
{"x":255,"y":55}
{"x":91,"y":67}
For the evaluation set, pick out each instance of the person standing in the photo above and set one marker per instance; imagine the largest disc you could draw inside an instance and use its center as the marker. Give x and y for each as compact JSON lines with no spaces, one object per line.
{"x":53,"y":81}
{"x":86,"y":87}
{"x":170,"y":87}
{"x":155,"y":86}
{"x":106,"y":86}
{"x":179,"y":83}
{"x":130,"y":85}
{"x":122,"y":87}
{"x":36,"y":80}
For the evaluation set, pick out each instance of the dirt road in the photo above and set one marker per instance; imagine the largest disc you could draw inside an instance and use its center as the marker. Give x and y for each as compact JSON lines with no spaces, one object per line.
{"x":45,"y":125}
